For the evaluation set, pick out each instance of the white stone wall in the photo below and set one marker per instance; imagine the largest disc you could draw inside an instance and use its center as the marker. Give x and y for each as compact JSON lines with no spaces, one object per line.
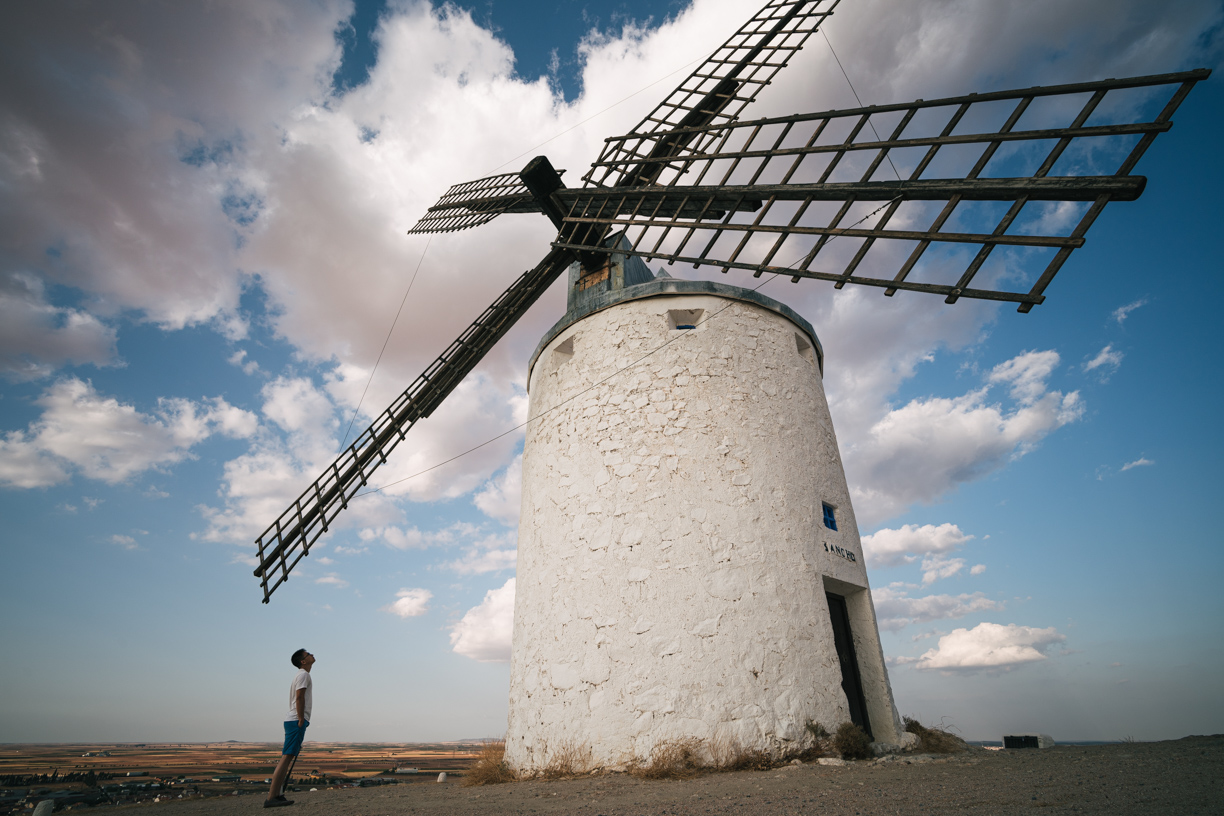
{"x":671,"y":548}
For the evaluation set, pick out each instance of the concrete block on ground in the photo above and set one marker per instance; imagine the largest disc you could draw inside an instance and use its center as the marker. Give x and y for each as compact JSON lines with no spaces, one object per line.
{"x":1014,"y":741}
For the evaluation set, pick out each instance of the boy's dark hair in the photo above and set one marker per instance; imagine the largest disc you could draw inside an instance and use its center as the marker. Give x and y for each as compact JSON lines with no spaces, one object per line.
{"x":296,"y":660}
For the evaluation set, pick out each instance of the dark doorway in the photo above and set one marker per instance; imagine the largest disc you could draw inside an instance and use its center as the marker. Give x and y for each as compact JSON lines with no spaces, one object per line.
{"x":844,"y":642}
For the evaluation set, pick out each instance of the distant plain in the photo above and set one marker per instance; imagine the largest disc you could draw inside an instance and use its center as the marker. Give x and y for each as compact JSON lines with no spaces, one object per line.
{"x":251,"y":761}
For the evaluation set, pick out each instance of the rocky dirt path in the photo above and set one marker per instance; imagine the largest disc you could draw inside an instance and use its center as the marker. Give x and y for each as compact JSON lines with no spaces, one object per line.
{"x":1183,"y":777}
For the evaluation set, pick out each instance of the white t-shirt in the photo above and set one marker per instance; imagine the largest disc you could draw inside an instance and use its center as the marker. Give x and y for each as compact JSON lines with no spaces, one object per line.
{"x":302,"y":681}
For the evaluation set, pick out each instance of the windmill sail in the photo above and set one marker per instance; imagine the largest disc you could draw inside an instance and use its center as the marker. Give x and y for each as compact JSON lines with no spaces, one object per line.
{"x":691,"y":117}
{"x":477,"y":202}
{"x":288,"y":539}
{"x":687,"y":120}
{"x":744,"y":195}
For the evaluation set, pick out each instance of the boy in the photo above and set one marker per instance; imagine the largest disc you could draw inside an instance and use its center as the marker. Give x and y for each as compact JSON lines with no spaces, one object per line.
{"x":295,"y":725}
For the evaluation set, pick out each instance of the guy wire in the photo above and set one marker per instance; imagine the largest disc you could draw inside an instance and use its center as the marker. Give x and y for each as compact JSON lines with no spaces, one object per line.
{"x":387,"y":340}
{"x":859,"y":101}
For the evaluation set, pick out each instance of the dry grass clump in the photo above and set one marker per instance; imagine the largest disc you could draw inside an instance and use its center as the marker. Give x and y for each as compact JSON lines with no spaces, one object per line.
{"x":820,"y":742}
{"x":673,"y":759}
{"x":934,"y":740}
{"x":729,"y":755}
{"x":852,"y":742}
{"x":568,"y":761}
{"x":747,"y":759}
{"x":490,"y":767}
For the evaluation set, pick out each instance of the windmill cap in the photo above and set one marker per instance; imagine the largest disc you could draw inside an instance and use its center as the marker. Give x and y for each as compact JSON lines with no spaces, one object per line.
{"x":667,"y":286}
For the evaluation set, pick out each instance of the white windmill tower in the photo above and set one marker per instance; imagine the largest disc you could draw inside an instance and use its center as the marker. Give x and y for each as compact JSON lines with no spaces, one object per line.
{"x":689,"y":564}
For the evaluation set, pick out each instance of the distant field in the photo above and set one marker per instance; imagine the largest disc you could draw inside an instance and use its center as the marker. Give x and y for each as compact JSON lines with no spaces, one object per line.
{"x":252,"y":761}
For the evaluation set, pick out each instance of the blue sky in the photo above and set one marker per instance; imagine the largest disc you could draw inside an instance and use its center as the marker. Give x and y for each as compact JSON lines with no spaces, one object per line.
{"x":203,"y":248}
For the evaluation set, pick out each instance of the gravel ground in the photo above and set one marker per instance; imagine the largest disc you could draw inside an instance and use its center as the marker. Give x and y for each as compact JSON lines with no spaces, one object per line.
{"x":1183,"y":777}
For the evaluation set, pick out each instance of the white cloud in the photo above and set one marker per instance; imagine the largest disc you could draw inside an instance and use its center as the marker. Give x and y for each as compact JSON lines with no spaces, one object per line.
{"x":244,"y":558}
{"x":895,"y":609}
{"x":477,"y":561}
{"x":889,"y":548}
{"x":1122,"y":312}
{"x":1140,"y":462}
{"x":502,"y":496}
{"x":304,"y":412}
{"x":238,"y":358}
{"x":928,"y":447}
{"x":1107,"y":362}
{"x":24,"y":464}
{"x":1056,"y":217}
{"x":1026,"y":374}
{"x":332,"y":580}
{"x":36,"y":337}
{"x":145,"y":213}
{"x":977,"y":569}
{"x":125,"y":541}
{"x":289,"y":452}
{"x":934,"y":544}
{"x":414,"y":538}
{"x":478,"y":409}
{"x":104,"y":439}
{"x":988,"y":646}
{"x":410,"y":603}
{"x":483,"y":553}
{"x":483,"y":634}
{"x":409,"y":539}
{"x":936,"y":567}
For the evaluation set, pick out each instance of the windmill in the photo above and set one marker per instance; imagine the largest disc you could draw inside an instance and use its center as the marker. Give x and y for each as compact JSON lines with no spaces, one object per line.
{"x":693,"y":578}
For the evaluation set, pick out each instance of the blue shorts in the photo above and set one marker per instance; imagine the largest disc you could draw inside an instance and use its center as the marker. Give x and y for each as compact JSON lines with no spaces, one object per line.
{"x":293,"y":737}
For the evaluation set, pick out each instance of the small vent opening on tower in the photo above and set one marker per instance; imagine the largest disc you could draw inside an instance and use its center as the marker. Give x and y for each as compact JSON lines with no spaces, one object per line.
{"x":684,"y":319}
{"x":564,"y":349}
{"x":805,"y":348}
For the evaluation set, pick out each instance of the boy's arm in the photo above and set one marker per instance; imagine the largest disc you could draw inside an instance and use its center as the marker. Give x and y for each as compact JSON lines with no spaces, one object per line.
{"x":300,"y":702}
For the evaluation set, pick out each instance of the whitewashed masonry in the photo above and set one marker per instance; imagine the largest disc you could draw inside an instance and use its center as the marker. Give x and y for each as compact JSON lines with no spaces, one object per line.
{"x":673,"y":562}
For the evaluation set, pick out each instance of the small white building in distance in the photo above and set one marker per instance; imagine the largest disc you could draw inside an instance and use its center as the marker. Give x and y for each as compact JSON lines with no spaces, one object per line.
{"x":689,"y":565}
